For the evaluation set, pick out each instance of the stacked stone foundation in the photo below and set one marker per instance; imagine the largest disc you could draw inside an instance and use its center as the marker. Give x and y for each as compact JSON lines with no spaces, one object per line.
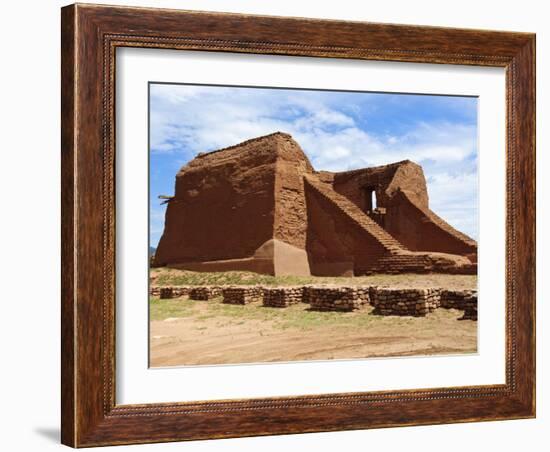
{"x":170,"y":292}
{"x":337,"y":298}
{"x":386,"y":301}
{"x":242,"y":295}
{"x":464,"y":300}
{"x":456,"y":299}
{"x":204,"y":293}
{"x":281,"y":297}
{"x":194,"y":293}
{"x":166,"y":292}
{"x":470,"y":308}
{"x":409,"y":302}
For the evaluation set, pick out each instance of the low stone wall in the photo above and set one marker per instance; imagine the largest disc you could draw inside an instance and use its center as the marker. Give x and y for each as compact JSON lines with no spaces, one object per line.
{"x":306,"y":294}
{"x":281,"y":297}
{"x":198,"y":293}
{"x":386,"y":301}
{"x":412,"y":302}
{"x":456,"y":299}
{"x":203,"y":293}
{"x":242,"y":294}
{"x":170,"y":291}
{"x":470,"y":307}
{"x":464,"y":300}
{"x":337,"y":298}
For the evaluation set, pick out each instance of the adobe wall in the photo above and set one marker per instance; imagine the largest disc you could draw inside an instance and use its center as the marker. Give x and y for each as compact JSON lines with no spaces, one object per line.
{"x":409,"y":178}
{"x":248,"y":264}
{"x":402,"y":200}
{"x":223,"y":206}
{"x":290,"y":219}
{"x":342,"y":238}
{"x":260,"y":206}
{"x":385,"y":179}
{"x":421,"y":262}
{"x":420,"y":229}
{"x":335,"y":243}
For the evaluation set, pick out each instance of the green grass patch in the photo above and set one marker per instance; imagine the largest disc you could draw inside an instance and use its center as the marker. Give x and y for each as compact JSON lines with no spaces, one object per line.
{"x":174,"y":307}
{"x":298,"y":316}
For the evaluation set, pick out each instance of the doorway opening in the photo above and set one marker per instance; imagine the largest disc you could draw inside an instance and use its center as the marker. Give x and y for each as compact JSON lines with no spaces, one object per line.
{"x":370,"y":203}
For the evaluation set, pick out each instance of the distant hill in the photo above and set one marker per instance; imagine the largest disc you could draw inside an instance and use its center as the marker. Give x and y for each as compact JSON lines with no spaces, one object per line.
{"x":152,"y":250}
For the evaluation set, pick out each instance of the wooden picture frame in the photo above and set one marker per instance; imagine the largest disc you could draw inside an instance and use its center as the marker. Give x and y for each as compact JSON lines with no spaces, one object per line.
{"x":90,"y":36}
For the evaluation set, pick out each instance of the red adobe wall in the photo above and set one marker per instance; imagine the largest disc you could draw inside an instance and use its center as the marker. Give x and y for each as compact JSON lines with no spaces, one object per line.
{"x":342,"y":239}
{"x":420,"y":229}
{"x":230,"y":203}
{"x":223,"y":206}
{"x":340,"y":236}
{"x":290,"y":220}
{"x":260,"y":206}
{"x":334,"y":243}
{"x":386,"y":179}
{"x":403,"y":207}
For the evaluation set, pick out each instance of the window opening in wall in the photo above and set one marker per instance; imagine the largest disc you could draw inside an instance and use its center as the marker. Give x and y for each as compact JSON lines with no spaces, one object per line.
{"x":370,"y":199}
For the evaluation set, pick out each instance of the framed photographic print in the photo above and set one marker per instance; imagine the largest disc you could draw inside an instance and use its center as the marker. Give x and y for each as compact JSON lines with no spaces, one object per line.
{"x":281,"y":225}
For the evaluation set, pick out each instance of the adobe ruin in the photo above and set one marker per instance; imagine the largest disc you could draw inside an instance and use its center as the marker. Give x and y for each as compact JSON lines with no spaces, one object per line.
{"x":260,"y":206}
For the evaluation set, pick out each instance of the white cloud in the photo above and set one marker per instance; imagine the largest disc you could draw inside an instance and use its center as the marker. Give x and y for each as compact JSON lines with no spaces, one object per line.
{"x":201,"y":120}
{"x":322,"y":118}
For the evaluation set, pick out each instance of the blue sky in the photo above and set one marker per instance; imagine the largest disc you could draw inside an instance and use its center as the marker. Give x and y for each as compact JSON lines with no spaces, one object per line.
{"x":337,"y":130}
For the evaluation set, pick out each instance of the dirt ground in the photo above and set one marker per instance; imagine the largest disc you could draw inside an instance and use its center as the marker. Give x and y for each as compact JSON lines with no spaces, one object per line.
{"x":187,"y":332}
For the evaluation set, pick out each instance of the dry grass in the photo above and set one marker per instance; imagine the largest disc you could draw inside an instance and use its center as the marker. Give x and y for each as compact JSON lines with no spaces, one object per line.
{"x":298,"y":316}
{"x":167,"y":276}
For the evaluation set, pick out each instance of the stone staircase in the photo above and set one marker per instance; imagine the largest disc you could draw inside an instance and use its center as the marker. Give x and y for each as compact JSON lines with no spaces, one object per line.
{"x":355,"y":215}
{"x":395,"y":257}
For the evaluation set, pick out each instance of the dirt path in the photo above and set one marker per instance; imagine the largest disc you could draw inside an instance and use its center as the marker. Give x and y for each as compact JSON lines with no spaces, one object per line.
{"x":205,"y":337}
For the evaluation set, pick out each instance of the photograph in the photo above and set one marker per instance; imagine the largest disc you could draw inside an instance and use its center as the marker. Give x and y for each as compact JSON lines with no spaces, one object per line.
{"x":290,"y":224}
